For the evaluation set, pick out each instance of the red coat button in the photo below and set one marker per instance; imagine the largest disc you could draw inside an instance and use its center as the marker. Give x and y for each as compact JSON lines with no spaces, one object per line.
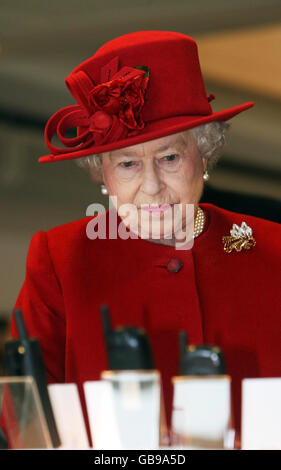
{"x":174,"y":265}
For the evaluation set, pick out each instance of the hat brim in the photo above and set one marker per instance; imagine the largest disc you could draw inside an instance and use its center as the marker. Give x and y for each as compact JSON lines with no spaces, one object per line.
{"x":153,"y":130}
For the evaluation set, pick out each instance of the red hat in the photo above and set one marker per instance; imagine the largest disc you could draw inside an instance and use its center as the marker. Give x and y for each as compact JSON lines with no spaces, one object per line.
{"x":137,"y":87}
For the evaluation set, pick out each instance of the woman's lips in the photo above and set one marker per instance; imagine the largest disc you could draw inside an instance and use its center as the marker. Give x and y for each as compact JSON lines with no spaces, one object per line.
{"x":156,"y":208}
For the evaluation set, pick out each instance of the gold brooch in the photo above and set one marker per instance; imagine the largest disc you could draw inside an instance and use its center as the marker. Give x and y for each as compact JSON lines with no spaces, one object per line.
{"x":240,"y":237}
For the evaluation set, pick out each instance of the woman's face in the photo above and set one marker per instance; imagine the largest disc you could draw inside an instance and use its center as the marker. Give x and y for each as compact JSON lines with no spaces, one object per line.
{"x":163,"y":171}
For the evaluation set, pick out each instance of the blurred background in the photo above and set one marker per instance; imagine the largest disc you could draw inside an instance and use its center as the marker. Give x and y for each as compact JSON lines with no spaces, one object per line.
{"x":41,"y":42}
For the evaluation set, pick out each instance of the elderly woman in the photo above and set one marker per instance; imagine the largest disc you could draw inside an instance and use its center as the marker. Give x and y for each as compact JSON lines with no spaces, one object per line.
{"x":147,"y":132}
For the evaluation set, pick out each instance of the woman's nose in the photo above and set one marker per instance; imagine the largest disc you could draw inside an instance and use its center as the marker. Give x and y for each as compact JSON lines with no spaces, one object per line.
{"x":151,"y":182}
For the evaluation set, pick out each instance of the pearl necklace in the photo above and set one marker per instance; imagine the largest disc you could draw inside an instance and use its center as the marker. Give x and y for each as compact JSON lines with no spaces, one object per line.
{"x":199,"y":222}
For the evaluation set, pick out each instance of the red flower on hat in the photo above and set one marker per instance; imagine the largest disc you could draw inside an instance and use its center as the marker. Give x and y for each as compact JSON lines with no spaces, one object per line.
{"x":117,"y":106}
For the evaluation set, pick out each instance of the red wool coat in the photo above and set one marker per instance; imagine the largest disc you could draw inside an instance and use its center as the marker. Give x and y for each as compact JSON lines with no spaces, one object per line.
{"x":230,"y":300}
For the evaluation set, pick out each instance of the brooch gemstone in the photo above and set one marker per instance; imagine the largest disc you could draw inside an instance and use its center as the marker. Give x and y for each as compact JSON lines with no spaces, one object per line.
{"x":240,"y":238}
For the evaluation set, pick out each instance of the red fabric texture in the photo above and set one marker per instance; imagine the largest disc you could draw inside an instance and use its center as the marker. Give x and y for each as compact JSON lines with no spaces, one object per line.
{"x":230,"y":300}
{"x":170,"y":99}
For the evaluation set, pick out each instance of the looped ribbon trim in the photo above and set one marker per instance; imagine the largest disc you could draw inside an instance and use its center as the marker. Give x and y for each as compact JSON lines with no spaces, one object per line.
{"x":61,"y":122}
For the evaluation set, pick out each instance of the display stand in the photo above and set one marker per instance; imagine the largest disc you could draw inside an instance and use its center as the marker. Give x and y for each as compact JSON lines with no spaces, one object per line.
{"x":22,"y":415}
{"x":126,"y":411}
{"x":202,"y":412}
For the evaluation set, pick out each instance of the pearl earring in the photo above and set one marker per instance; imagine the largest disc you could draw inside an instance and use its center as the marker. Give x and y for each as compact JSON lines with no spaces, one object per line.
{"x":206,"y":176}
{"x":103,"y":189}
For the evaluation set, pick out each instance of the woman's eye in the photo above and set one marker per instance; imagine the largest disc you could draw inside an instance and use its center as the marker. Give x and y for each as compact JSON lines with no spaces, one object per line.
{"x":127,"y":164}
{"x":170,"y":158}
